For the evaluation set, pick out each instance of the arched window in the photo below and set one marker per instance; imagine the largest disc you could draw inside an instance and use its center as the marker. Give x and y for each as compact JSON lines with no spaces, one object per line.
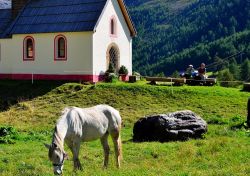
{"x":60,"y":48}
{"x":113,"y":27}
{"x":28,"y":48}
{"x":113,"y":56}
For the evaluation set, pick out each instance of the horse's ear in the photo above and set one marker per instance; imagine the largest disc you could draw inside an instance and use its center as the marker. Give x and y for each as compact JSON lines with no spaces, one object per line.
{"x":47,"y":146}
{"x":54,"y":145}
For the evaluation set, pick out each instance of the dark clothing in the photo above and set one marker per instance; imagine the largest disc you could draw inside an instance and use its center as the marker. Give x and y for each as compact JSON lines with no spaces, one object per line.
{"x":202,"y":71}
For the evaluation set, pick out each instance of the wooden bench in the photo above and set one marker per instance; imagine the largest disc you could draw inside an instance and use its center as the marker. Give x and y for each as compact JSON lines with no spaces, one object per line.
{"x":198,"y":82}
{"x":174,"y":81}
{"x":210,"y":81}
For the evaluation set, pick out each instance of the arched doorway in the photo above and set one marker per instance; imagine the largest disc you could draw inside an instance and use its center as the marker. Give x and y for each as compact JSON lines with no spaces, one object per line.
{"x":113,"y":56}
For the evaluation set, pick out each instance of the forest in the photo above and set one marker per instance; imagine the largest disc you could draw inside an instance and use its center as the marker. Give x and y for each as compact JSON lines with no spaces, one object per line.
{"x":173,"y":34}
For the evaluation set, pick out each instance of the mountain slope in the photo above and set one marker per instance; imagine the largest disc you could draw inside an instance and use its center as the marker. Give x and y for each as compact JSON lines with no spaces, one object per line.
{"x":221,"y":48}
{"x":167,"y":27}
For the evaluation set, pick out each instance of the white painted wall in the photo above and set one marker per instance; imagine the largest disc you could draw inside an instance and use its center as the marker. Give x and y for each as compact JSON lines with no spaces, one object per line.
{"x":86,"y":51}
{"x":79,"y":51}
{"x":102,"y":39}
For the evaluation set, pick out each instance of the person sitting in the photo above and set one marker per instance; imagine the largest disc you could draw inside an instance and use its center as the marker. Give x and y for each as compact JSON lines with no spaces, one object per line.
{"x":202,"y":71}
{"x":189,"y":72}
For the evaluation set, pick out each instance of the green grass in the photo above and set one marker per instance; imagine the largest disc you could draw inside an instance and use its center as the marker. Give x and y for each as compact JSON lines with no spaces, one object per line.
{"x":223,"y":151}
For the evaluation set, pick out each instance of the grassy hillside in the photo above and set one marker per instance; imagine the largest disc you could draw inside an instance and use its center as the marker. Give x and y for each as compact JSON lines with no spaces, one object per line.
{"x":167,"y":27}
{"x":223,"y":151}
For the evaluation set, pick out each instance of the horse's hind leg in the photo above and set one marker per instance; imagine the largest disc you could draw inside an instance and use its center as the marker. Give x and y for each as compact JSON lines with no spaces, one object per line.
{"x":106,"y":149}
{"x":118,"y":146}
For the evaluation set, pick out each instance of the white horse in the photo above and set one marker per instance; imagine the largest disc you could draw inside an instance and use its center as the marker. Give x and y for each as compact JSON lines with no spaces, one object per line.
{"x":76,"y":125}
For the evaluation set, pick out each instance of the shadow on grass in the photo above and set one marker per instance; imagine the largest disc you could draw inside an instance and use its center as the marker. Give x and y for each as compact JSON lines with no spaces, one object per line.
{"x":127,"y":141}
{"x":13,"y":92}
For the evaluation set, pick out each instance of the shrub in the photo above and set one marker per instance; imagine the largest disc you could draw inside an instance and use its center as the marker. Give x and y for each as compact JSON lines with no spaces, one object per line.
{"x":237,"y":122}
{"x":123,"y":70}
{"x":111,"y":68}
{"x":7,"y":135}
{"x":111,"y":77}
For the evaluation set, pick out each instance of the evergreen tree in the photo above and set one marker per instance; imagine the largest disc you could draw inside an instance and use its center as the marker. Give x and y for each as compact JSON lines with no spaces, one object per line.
{"x":219,"y":63}
{"x":235,"y":71}
{"x":175,"y":74}
{"x":199,"y":31}
{"x":225,"y":76}
{"x":245,"y":70}
{"x":160,"y":74}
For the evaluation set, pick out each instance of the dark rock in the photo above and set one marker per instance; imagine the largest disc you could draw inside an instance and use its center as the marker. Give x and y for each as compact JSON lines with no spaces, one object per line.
{"x":176,"y":126}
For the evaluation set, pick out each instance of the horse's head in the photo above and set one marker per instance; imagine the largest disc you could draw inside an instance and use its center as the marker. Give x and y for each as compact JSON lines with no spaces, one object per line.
{"x":57,"y":157}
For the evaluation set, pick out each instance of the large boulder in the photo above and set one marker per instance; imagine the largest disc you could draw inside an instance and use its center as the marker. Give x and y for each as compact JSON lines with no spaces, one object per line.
{"x":175,"y":126}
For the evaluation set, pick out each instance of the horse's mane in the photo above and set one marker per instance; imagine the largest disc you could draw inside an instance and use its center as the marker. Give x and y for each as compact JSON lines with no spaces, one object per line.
{"x":57,"y":139}
{"x":65,"y":111}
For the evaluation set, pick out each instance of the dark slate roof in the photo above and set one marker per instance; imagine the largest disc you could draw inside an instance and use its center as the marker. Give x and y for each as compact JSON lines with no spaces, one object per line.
{"x":5,"y":20}
{"x":43,"y":16}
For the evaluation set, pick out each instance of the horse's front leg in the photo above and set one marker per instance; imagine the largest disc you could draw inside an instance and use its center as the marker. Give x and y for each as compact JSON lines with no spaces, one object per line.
{"x":75,"y":148}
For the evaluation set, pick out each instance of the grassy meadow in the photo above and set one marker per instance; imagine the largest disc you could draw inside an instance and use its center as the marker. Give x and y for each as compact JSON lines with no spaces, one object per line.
{"x":32,"y":111}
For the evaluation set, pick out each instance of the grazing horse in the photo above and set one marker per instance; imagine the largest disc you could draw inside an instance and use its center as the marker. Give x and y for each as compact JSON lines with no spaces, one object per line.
{"x":76,"y":125}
